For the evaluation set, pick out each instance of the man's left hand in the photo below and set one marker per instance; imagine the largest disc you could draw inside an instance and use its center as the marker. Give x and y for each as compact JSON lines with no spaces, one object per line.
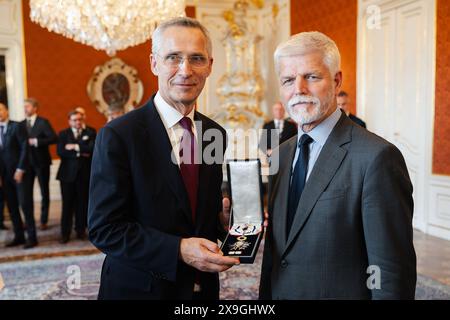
{"x":70,"y":146}
{"x":18,"y":176}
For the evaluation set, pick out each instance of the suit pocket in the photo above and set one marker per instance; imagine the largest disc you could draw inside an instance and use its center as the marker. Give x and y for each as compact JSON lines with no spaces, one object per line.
{"x":333,"y":194}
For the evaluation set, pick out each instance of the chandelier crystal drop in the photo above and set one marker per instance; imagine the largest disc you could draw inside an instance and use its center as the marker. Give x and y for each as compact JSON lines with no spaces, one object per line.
{"x":108,"y":25}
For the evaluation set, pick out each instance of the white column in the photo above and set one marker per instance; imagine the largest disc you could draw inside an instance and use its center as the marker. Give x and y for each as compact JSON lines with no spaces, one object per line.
{"x":12,"y":47}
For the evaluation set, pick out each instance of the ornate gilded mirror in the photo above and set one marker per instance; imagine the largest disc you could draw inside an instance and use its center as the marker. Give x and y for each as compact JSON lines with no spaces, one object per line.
{"x":115,"y":85}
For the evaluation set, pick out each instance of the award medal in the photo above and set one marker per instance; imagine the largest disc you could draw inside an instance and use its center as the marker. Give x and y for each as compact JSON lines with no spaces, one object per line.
{"x":240,"y":244}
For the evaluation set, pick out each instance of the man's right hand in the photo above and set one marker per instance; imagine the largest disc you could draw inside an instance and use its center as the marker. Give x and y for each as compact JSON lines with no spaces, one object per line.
{"x":205,"y":255}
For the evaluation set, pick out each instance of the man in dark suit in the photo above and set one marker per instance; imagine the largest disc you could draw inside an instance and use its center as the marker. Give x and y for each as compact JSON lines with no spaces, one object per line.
{"x":343,"y":102}
{"x":2,"y":209}
{"x":75,"y":147}
{"x":14,"y":178}
{"x":154,"y":211}
{"x":40,"y":136}
{"x":341,"y":202}
{"x":284,"y":129}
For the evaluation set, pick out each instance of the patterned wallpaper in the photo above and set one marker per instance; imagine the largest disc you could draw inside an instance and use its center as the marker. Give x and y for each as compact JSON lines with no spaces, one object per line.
{"x":338,"y":20}
{"x":441,"y":148}
{"x":58,"y":70}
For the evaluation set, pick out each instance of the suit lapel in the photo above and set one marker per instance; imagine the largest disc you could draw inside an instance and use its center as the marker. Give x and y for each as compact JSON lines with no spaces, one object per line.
{"x":325,"y":168}
{"x":204,"y":171}
{"x":9,"y":131}
{"x":281,"y":189}
{"x":159,"y":140}
{"x":35,"y":127}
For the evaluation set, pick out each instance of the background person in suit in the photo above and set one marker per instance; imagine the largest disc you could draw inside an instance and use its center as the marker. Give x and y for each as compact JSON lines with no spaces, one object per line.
{"x":285,"y":129}
{"x":75,"y":147}
{"x":341,"y":200}
{"x":153,"y":211}
{"x":40,"y":136}
{"x":2,"y":209}
{"x":343,"y":102}
{"x":15,"y":179}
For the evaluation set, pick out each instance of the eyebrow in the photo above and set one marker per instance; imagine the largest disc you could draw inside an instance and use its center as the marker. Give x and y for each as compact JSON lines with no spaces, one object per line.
{"x":317,"y":72}
{"x":180,"y":53}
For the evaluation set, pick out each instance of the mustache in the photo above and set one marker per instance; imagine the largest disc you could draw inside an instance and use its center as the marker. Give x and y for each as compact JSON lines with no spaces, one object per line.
{"x":302,"y":99}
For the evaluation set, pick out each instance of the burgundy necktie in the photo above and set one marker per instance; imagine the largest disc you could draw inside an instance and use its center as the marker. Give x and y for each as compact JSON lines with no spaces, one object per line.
{"x":189,"y":169}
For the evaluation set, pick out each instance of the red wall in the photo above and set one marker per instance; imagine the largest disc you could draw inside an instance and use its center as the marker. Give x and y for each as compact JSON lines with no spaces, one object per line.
{"x":58,"y":70}
{"x":441,"y":148}
{"x":338,"y":20}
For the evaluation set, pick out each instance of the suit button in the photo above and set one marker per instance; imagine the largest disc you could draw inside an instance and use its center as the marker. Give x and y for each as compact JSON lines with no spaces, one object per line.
{"x":284,"y":263}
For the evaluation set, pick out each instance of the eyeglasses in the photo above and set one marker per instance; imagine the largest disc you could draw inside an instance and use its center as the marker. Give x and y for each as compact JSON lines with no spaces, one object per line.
{"x":175,"y":60}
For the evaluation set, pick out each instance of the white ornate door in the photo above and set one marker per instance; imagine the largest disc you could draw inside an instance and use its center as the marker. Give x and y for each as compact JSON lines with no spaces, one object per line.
{"x":397,"y":82}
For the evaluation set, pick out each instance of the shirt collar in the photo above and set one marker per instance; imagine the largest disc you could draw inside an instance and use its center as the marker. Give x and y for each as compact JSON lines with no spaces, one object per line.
{"x":4,"y":123}
{"x":321,"y":132}
{"x":169,"y":115}
{"x":32,"y":118}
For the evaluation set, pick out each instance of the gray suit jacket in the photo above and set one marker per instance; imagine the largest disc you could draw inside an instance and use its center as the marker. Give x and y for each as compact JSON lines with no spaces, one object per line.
{"x":355,"y":212}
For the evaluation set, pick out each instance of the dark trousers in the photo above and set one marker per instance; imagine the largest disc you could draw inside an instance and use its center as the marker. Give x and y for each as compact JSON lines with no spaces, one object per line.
{"x":2,"y":207}
{"x":18,"y":195}
{"x":74,"y":201}
{"x":43,"y":175}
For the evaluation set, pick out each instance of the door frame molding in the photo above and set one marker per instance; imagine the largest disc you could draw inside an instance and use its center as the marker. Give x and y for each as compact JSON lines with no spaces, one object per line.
{"x":422,"y":223}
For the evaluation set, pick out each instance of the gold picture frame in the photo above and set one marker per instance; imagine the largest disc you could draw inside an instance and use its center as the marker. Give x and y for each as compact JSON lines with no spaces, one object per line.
{"x":115,"y":86}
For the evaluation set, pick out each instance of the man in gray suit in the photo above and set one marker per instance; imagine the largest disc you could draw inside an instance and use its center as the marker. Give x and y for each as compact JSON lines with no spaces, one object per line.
{"x":341,"y":204}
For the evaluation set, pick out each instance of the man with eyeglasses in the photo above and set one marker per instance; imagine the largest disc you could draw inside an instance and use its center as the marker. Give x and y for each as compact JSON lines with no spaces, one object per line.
{"x":155,"y":206}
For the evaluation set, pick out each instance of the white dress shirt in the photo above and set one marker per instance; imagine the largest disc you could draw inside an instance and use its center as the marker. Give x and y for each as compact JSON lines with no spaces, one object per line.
{"x":75,"y":134}
{"x":279,"y":125}
{"x":171,"y":120}
{"x":320,"y":136}
{"x":32,"y":120}
{"x":5,"y":127}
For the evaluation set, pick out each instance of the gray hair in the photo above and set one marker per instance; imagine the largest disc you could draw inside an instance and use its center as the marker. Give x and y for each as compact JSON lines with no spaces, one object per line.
{"x":306,"y":42}
{"x":32,"y":101}
{"x":186,"y":22}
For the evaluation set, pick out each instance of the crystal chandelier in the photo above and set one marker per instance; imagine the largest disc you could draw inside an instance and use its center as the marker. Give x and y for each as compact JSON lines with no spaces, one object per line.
{"x":109,"y":25}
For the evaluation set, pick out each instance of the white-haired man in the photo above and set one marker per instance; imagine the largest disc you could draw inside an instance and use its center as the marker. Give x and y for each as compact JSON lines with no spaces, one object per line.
{"x":341,"y":203}
{"x":153,"y":210}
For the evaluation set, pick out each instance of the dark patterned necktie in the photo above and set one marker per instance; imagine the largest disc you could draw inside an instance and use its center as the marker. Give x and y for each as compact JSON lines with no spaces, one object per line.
{"x":189,"y":169}
{"x":29,"y":126}
{"x":298,"y":179}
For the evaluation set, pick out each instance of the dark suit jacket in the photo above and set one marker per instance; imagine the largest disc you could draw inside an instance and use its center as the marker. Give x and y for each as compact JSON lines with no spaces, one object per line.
{"x":357,"y":120}
{"x":289,"y":130}
{"x":355,"y":211}
{"x":75,"y":163}
{"x":14,"y":154}
{"x":139,"y":209}
{"x":43,"y":131}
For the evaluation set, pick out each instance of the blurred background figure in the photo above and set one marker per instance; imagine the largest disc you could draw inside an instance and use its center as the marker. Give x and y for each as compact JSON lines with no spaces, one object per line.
{"x":115,"y":111}
{"x":75,"y":147}
{"x":40,"y":136}
{"x":2,"y":208}
{"x":343,"y":102}
{"x":15,"y":179}
{"x":285,"y":129}
{"x":81,"y":111}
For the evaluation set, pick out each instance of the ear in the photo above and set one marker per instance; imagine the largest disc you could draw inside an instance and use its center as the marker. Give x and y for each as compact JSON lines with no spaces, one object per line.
{"x":210,"y":66}
{"x":153,"y":64}
{"x":338,"y":82}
